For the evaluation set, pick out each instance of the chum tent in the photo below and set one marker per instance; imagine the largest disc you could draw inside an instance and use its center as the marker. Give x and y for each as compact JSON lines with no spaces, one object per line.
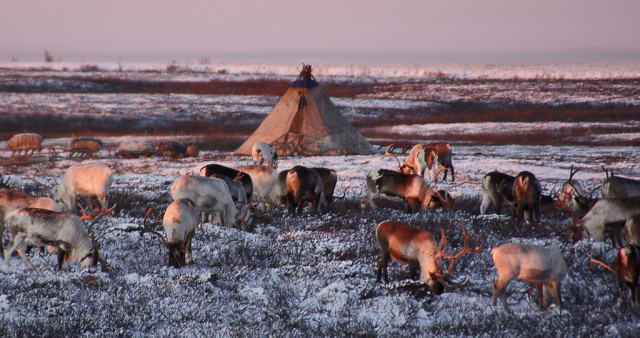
{"x":306,"y":122}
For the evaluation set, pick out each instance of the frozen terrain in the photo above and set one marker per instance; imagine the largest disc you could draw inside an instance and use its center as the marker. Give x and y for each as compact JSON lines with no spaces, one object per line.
{"x":314,"y":275}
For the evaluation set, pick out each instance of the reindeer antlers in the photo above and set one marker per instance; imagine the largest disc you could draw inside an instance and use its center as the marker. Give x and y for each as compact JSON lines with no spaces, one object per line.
{"x":387,"y":152}
{"x":445,"y":252}
{"x":593,"y":260}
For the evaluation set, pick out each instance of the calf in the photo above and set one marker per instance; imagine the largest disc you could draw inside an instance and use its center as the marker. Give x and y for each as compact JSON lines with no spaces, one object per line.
{"x":304,"y":184}
{"x":62,"y":230}
{"x":86,"y":181}
{"x":218,"y":169}
{"x":264,"y":153}
{"x":420,"y":158}
{"x":171,"y":149}
{"x":544,"y":267}
{"x":412,"y":189}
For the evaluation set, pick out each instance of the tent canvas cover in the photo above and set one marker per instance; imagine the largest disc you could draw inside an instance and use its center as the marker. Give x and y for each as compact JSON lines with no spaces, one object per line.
{"x":306,"y":122}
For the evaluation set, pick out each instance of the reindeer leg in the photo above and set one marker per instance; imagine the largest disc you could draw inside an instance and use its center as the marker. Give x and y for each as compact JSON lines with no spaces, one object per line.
{"x":382,"y":268}
{"x":499,"y":289}
{"x":540,"y":295}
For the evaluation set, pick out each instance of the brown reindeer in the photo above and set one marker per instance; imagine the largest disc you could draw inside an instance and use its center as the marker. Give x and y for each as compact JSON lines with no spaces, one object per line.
{"x":304,"y":184}
{"x":417,"y":248}
{"x":527,"y":192}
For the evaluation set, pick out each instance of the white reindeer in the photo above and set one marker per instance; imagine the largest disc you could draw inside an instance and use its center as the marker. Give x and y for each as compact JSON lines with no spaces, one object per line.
{"x":544,"y":267}
{"x":211,"y":196}
{"x":63,"y":230}
{"x":11,"y":200}
{"x":264,"y":153}
{"x":86,"y":181}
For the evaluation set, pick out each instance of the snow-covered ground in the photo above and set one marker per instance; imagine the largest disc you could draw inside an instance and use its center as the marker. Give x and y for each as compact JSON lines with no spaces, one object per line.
{"x":314,"y":275}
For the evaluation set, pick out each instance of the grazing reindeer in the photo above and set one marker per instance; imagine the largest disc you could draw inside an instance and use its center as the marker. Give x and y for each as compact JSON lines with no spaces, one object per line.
{"x":573,"y":196}
{"x":86,"y":181}
{"x":304,"y":184}
{"x":544,"y":267}
{"x":180,"y":222}
{"x":278,"y":194}
{"x":218,"y":169}
{"x":619,"y":187}
{"x":627,"y":272}
{"x":412,"y":189}
{"x":11,"y":200}
{"x":417,"y":248}
{"x":25,"y":143}
{"x":264,"y":153}
{"x":211,"y":196}
{"x":614,"y":216}
{"x":497,"y":187}
{"x":62,"y":230}
{"x":527,"y":192}
{"x":329,"y":179}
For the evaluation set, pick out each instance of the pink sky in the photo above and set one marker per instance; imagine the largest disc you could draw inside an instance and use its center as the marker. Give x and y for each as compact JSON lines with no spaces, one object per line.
{"x":329,"y":31}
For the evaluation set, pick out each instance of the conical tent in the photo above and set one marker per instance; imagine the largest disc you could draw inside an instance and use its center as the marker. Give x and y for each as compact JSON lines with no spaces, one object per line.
{"x":306,"y":122}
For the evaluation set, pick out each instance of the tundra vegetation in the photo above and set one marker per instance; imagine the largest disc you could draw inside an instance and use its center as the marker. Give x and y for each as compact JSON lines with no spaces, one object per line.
{"x":314,"y":275}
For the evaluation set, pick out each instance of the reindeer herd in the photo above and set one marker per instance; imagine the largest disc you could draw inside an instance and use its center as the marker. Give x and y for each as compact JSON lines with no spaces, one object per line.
{"x":234,"y":195}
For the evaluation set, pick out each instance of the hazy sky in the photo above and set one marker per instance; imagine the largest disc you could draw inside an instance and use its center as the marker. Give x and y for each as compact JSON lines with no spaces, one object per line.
{"x":328,"y":31}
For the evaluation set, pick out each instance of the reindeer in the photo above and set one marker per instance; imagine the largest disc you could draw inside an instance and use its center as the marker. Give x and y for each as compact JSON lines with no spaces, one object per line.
{"x":420,"y":158}
{"x":211,"y":196}
{"x":417,"y":248}
{"x":544,"y":267}
{"x":429,"y":155}
{"x":497,"y":187}
{"x":86,"y":181}
{"x":84,"y":146}
{"x":329,"y":179}
{"x":619,"y":187}
{"x":412,"y":189}
{"x":220,"y":170}
{"x":627,"y":272}
{"x":263,"y":178}
{"x":304,"y":184}
{"x":25,"y":142}
{"x":278,"y":194}
{"x":527,"y":192}
{"x":11,"y":200}
{"x":264,"y":153}
{"x":62,"y":230}
{"x":608,"y":215}
{"x":180,"y":222}
{"x":573,"y":196}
